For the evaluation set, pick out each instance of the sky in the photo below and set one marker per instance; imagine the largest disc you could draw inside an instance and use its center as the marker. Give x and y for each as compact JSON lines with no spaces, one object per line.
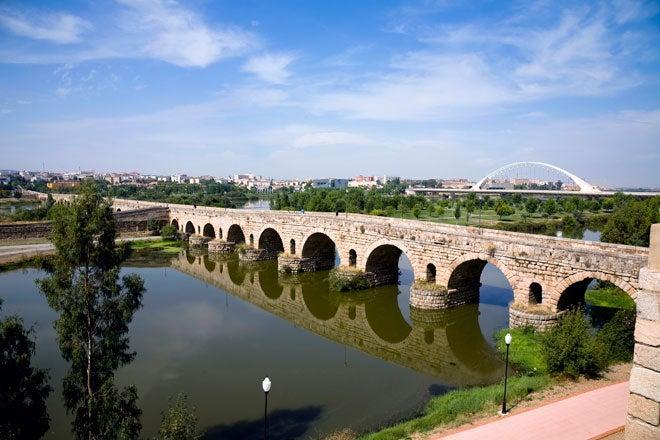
{"x":332,"y":88}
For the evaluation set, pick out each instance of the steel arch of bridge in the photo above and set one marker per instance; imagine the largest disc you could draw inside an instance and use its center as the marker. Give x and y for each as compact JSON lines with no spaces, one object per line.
{"x":584,"y":186}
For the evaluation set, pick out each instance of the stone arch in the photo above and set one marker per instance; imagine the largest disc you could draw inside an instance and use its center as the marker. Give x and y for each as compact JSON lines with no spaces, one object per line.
{"x":320,"y":249}
{"x":463,"y":277}
{"x":430,"y":273}
{"x":535,"y":293}
{"x":564,"y":293}
{"x":270,"y":240}
{"x":383,"y":261}
{"x":208,"y":231}
{"x":384,"y":316}
{"x":199,"y":229}
{"x":118,"y":209}
{"x":352,"y":258}
{"x":235,"y":234}
{"x":190,"y":228}
{"x":175,"y":223}
{"x":292,"y":247}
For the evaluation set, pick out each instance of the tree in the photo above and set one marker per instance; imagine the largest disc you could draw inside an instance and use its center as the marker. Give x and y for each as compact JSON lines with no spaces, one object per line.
{"x":631,"y":223}
{"x":470,"y":205}
{"x":94,"y":309}
{"x":550,"y":207}
{"x":417,"y":211}
{"x":457,"y":211}
{"x":169,"y":232}
{"x":178,"y":422}
{"x":23,"y":388}
{"x":440,"y":210}
{"x":532,"y":205}
{"x":503,"y":209}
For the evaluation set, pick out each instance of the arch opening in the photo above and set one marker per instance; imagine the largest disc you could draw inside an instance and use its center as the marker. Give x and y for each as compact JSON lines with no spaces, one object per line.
{"x":430,"y":273}
{"x":292,"y":247}
{"x":320,"y":249}
{"x":175,"y":223}
{"x":208,"y":231}
{"x":466,"y":281}
{"x":190,"y":228}
{"x":220,"y":232}
{"x":251,"y":240}
{"x":270,"y":241}
{"x":535,"y":293}
{"x":235,"y":234}
{"x":383,"y":263}
{"x":352,"y":258}
{"x":118,"y":209}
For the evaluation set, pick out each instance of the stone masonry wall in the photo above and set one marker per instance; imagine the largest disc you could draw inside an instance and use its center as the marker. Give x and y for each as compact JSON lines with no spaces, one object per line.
{"x":644,"y":400}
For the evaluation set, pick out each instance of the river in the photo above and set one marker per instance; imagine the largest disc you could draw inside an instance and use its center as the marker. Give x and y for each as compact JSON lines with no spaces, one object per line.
{"x":213,"y":328}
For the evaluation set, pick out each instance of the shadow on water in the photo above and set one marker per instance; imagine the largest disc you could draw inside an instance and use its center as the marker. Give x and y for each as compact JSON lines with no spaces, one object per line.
{"x":283,"y":424}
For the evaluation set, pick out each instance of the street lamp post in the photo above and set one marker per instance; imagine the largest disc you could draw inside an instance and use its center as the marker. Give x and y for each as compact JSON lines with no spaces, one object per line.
{"x":266,"y":387}
{"x":507,"y":340}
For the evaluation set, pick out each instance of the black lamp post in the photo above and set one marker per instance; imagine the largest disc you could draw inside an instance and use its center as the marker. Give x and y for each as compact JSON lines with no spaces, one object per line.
{"x":266,"y":387}
{"x":507,"y":340}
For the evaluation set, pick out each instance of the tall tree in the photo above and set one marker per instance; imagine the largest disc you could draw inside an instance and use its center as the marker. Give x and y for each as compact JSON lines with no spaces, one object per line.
{"x":23,"y":388}
{"x":94,"y":308}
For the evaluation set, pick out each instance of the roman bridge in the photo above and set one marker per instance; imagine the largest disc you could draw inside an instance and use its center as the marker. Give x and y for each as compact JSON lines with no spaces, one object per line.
{"x":547,"y":274}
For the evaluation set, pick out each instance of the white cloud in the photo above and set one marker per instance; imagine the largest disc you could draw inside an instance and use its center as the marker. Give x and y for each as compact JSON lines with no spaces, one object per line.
{"x":329,"y":138}
{"x":167,"y":31}
{"x":58,"y":28}
{"x":270,"y":67}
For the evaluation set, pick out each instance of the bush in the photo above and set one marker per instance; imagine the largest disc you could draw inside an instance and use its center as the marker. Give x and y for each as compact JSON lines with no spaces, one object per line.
{"x":571,"y":349}
{"x":343,"y":281}
{"x":617,"y":336}
{"x":169,"y":232}
{"x":178,"y":422}
{"x":153,"y":224}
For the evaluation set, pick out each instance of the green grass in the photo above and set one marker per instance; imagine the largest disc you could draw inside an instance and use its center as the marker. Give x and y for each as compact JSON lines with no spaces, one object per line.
{"x":456,"y":406}
{"x":611,"y":297}
{"x":526,"y":351}
{"x":167,"y":246}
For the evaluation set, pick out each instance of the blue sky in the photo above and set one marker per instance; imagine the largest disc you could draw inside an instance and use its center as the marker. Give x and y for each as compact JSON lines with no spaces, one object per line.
{"x":311,"y":88}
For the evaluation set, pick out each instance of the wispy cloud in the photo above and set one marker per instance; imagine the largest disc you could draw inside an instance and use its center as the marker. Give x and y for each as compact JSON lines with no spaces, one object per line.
{"x":57,"y":28}
{"x":270,"y":67}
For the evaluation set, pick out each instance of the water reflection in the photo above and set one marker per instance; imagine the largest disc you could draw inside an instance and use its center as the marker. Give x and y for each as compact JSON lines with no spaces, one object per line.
{"x":447,"y":344}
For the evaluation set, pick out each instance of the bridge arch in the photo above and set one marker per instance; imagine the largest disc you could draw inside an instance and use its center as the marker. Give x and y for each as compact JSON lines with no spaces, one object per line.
{"x":582,"y":184}
{"x":175,"y":223}
{"x":270,"y":240}
{"x":190,"y":228}
{"x":235,"y":234}
{"x":571,"y":289}
{"x":208,"y":231}
{"x":321,"y":248}
{"x":464,"y":273}
{"x":383,"y":260}
{"x":384,"y":317}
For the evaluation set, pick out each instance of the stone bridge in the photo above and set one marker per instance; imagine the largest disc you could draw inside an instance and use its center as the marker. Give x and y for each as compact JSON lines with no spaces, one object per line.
{"x":547,"y":274}
{"x":442,"y":343}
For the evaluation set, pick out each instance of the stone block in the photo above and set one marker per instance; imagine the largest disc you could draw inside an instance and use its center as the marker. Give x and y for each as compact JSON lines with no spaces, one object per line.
{"x":648,"y":304}
{"x":649,"y":279}
{"x":639,"y":430}
{"x":645,"y":382}
{"x":647,"y":356}
{"x":647,"y":332}
{"x":654,"y":248}
{"x":645,"y":409}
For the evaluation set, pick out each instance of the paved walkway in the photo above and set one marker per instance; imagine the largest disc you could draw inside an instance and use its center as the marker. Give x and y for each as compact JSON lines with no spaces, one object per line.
{"x":584,"y":416}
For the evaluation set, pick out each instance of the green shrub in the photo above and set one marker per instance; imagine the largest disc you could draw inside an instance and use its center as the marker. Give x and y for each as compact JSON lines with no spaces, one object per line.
{"x":169,"y":232}
{"x":571,"y":349}
{"x":617,"y":336}
{"x":526,"y":350}
{"x":343,"y":281}
{"x":153,"y":224}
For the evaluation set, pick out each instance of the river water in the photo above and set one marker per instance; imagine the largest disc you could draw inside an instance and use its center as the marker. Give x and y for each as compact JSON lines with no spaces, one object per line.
{"x":214,"y":327}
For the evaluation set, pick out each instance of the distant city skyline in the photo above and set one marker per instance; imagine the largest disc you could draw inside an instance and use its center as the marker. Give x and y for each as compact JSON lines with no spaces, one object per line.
{"x":425,"y":89}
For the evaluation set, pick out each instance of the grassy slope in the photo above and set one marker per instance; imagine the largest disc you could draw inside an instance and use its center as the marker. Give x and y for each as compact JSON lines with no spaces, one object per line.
{"x":527,"y":361}
{"x":612,"y":297}
{"x":168,"y":246}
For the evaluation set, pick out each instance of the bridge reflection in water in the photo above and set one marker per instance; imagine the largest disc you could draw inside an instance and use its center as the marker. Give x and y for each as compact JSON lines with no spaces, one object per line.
{"x":446,"y":344}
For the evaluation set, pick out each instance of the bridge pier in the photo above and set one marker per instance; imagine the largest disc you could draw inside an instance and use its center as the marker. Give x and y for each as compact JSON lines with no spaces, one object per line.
{"x":198,"y":240}
{"x":221,"y":247}
{"x":250,"y":254}
{"x":430,"y":296}
{"x":539,"y":318}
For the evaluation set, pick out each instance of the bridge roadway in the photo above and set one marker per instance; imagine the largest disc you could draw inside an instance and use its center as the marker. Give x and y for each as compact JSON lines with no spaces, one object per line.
{"x":451,"y":192}
{"x":443,"y":343}
{"x":549,"y":272}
